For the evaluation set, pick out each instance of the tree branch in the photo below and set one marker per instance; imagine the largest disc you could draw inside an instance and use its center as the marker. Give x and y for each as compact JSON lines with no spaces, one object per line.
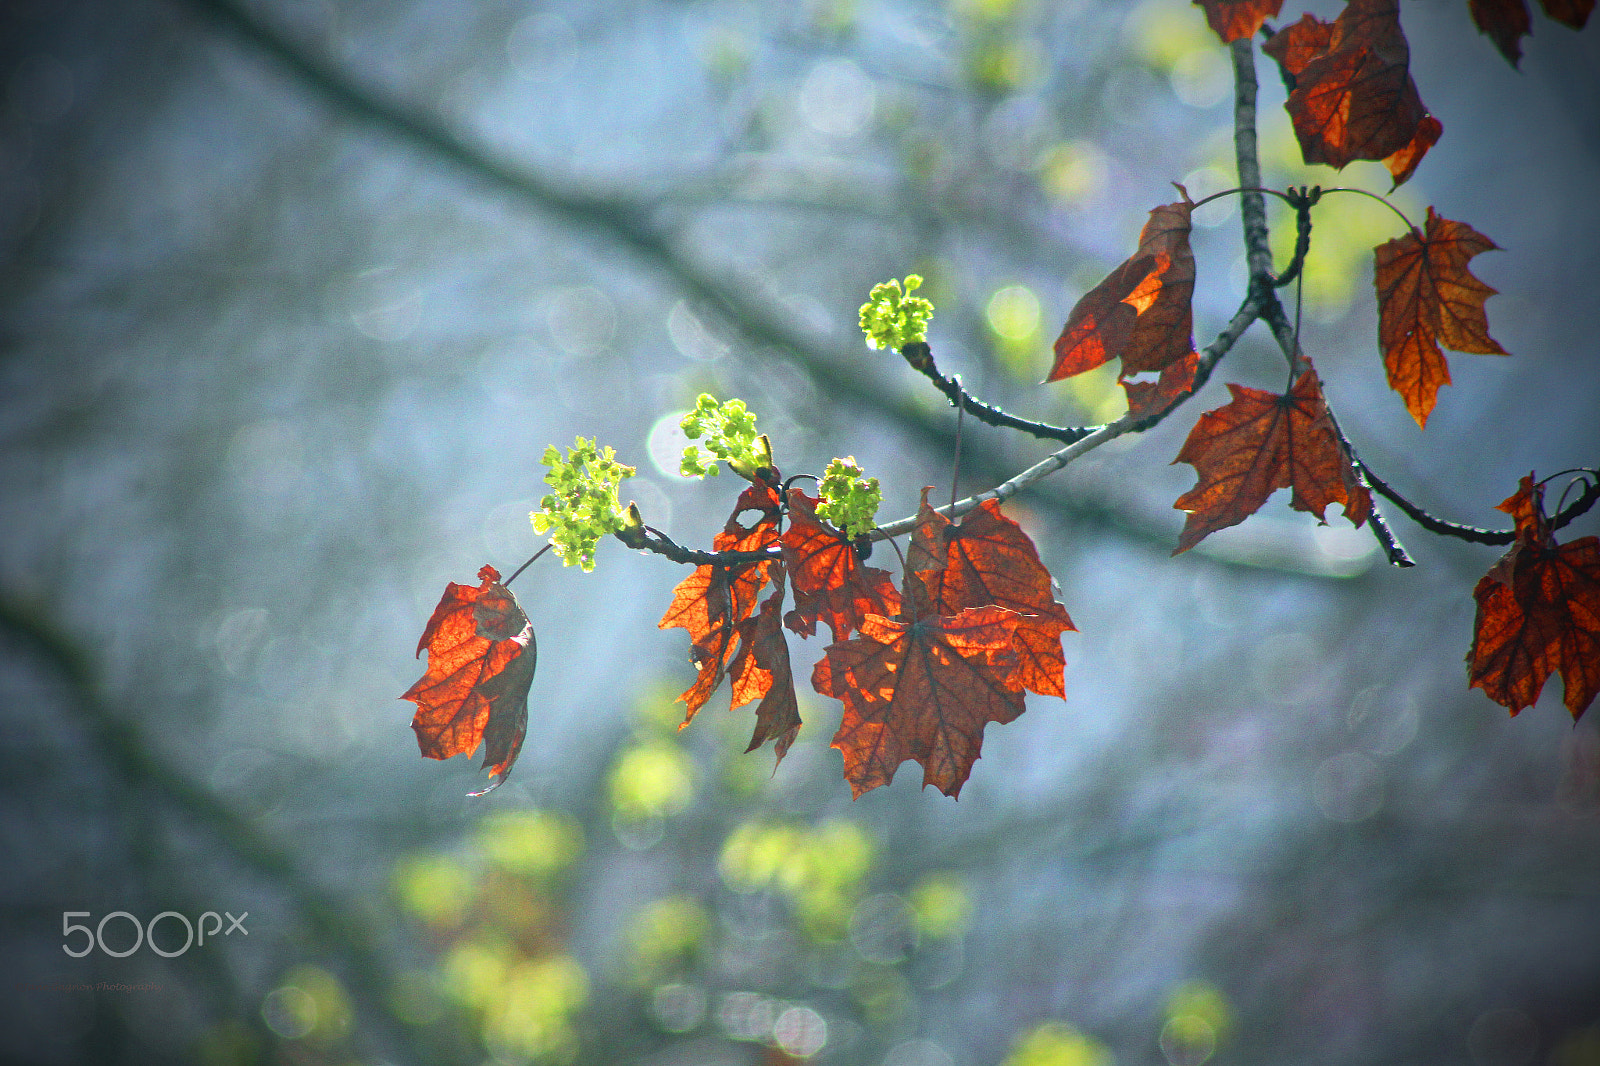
{"x":128,"y":755}
{"x":1094,"y":438}
{"x":650,"y":539}
{"x":1247,"y":157}
{"x":1474,"y":534}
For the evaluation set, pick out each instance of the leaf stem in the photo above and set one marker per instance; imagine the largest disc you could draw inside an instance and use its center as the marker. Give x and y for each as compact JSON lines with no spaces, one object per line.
{"x":955,"y":465}
{"x":1374,"y":196}
{"x":524,"y":566}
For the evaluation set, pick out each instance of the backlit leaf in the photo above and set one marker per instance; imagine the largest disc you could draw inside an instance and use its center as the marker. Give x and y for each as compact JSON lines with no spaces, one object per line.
{"x":1355,"y":99}
{"x":1538,"y":613}
{"x":481,"y":658}
{"x":830,"y":582}
{"x":711,"y":602}
{"x":921,"y":690}
{"x":1141,"y":313}
{"x":1427,"y":298}
{"x":985,"y":559}
{"x":1261,"y":442}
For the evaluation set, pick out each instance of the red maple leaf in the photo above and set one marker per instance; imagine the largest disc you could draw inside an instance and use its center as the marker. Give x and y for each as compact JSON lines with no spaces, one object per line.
{"x":1235,"y":19}
{"x":481,"y":658}
{"x":1538,"y":613}
{"x":984,"y":560}
{"x":1427,"y":297}
{"x":922,"y":690}
{"x":1354,"y":98}
{"x":761,"y":670}
{"x":1142,"y":312}
{"x":711,"y":602}
{"x":830,"y":582}
{"x":1506,"y":22}
{"x":1261,"y":442}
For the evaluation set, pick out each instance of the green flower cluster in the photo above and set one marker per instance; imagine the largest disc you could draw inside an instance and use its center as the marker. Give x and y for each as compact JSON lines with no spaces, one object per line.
{"x":892,"y":318}
{"x":584,"y":506}
{"x":730,"y":434}
{"x":849,"y":501}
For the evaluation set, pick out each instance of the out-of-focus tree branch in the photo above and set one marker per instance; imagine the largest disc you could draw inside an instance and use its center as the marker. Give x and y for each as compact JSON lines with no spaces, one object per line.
{"x":121,"y":744}
{"x":628,"y":224}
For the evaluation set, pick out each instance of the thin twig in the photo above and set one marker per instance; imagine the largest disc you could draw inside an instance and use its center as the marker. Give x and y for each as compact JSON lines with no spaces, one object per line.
{"x":1474,"y":534}
{"x":955,"y":464}
{"x":920,"y":358}
{"x":517,"y":572}
{"x":1302,"y":202}
{"x":1095,"y":438}
{"x":650,"y":539}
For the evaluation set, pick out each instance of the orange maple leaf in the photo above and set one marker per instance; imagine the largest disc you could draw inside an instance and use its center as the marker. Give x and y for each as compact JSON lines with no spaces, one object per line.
{"x":711,"y":602}
{"x":1354,"y":98}
{"x":1427,"y":297}
{"x":1235,"y":19}
{"x":1142,"y":312}
{"x":1538,"y":613}
{"x":830,"y":582}
{"x":481,"y":658}
{"x":922,"y":690}
{"x":1506,"y":22}
{"x":1261,"y":442}
{"x":986,"y":559}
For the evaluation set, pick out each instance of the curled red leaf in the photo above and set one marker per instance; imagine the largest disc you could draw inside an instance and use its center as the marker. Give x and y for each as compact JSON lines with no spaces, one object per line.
{"x":712,"y":602}
{"x":1538,"y":613}
{"x":1142,"y":312}
{"x":481,"y":659}
{"x":1353,"y":97}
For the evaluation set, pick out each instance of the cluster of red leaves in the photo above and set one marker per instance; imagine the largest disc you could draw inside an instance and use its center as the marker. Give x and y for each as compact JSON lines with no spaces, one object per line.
{"x":1505,"y":22}
{"x":921,"y":670}
{"x":1141,"y":313}
{"x":1539,"y":608}
{"x":481,"y":658}
{"x":1538,"y":613}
